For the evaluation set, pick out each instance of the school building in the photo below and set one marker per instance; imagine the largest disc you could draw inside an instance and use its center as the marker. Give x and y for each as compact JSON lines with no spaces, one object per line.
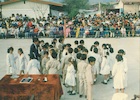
{"x":31,"y":8}
{"x":128,"y":6}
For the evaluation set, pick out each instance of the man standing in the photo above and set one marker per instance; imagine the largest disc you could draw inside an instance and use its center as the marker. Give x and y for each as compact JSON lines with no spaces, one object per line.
{"x":34,"y":48}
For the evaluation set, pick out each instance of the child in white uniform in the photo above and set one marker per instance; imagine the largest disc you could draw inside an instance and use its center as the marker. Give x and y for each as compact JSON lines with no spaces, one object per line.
{"x":78,"y":59}
{"x":70,"y":77}
{"x":122,"y":52}
{"x":10,"y":61}
{"x":118,"y":74}
{"x":105,"y":69}
{"x":104,"y":50}
{"x":33,"y":66}
{"x":111,"y":60}
{"x":53,"y":65}
{"x":22,"y":61}
{"x":96,"y":67}
{"x":44,"y":61}
{"x":89,"y":77}
{"x":65,"y":63}
{"x":82,"y":79}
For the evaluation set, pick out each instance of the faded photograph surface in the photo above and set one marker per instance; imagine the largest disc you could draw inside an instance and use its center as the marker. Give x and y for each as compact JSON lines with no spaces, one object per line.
{"x":70,"y":50}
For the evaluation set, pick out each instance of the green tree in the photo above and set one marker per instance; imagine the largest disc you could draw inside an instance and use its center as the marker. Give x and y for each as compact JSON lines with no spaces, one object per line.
{"x":104,"y":7}
{"x":73,"y":6}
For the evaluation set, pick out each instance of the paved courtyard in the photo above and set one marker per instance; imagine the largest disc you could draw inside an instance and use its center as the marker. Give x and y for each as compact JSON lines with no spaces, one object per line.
{"x":100,"y":91}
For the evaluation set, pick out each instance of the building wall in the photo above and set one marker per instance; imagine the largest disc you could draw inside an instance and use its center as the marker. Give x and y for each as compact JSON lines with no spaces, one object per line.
{"x":31,"y":9}
{"x":119,"y":5}
{"x":131,"y":8}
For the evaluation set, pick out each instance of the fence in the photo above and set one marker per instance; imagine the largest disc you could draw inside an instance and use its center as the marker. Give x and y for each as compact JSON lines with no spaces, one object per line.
{"x":92,"y":34}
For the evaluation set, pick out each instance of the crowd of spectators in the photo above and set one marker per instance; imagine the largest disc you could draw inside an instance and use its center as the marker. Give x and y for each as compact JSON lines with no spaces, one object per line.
{"x":97,"y":26}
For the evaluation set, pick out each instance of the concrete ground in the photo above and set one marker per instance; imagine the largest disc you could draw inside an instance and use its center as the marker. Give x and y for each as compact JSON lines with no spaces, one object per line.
{"x":100,"y":91}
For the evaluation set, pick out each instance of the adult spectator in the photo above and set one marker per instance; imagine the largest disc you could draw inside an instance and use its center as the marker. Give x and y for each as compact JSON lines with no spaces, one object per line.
{"x":34,"y":48}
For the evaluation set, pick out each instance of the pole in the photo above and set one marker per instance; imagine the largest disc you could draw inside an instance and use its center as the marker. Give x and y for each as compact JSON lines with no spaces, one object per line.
{"x":99,"y":6}
{"x":0,"y":10}
{"x":64,"y":28}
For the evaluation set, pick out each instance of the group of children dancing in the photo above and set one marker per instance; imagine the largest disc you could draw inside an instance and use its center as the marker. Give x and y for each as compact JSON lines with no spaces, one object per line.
{"x":78,"y":66}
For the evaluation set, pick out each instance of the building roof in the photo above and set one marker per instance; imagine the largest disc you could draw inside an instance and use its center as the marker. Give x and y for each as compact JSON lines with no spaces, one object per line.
{"x":131,"y":1}
{"x":36,"y":1}
{"x":92,"y":2}
{"x":58,"y":1}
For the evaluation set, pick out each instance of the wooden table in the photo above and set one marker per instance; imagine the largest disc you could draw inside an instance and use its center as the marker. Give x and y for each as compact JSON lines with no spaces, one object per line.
{"x":12,"y":89}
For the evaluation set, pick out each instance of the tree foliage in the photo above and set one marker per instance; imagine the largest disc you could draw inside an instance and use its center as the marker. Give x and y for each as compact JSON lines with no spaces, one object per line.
{"x":104,"y":7}
{"x":73,"y":6}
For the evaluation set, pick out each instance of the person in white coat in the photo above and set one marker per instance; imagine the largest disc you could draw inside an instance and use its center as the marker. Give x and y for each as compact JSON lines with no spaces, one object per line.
{"x":96,"y":67}
{"x":82,"y":78}
{"x":89,"y":77}
{"x":65,"y":63}
{"x":53,"y":65}
{"x":111,"y":60}
{"x":103,"y":50}
{"x":105,"y":69}
{"x":70,"y":76}
{"x":78,"y":59}
{"x":44,"y":62}
{"x":33,"y":66}
{"x":122,"y":52}
{"x":118,"y":74}
{"x":10,"y":61}
{"x":22,"y":61}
